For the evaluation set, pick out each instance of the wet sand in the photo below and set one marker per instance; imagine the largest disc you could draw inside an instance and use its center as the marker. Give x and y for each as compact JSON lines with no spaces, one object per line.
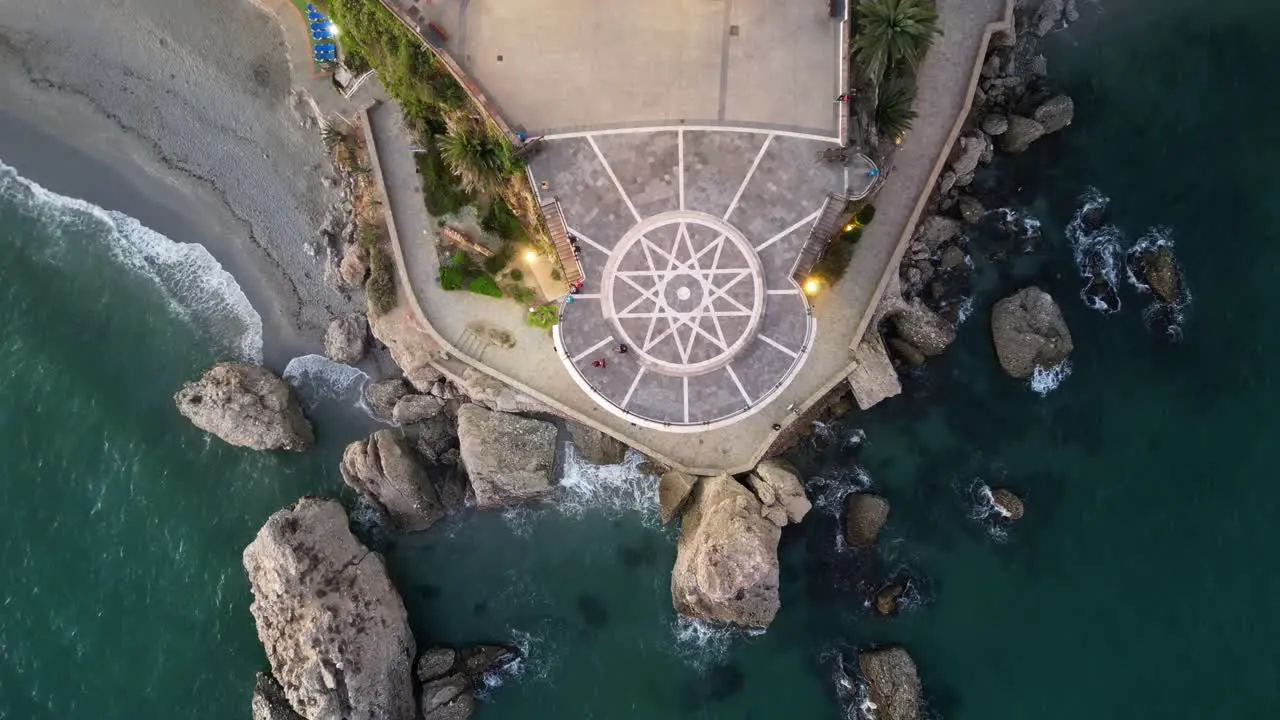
{"x":179,"y":113}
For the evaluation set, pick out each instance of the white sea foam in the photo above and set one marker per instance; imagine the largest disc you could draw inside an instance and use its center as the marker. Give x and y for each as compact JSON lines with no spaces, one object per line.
{"x":983,"y":509}
{"x":827,"y":491}
{"x":1046,"y":380}
{"x":1097,"y":252}
{"x":1024,"y":226}
{"x":316,"y":379}
{"x":965,"y":311}
{"x":1170,"y":316}
{"x":611,"y":489}
{"x":197,"y":287}
{"x":702,"y":644}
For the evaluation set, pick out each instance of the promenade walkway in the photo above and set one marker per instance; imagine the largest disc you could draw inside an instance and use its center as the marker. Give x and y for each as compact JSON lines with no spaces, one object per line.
{"x":842,"y":313}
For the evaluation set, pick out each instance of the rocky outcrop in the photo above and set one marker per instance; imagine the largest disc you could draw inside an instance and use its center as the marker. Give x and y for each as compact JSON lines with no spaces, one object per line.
{"x":967,"y":153}
{"x":674,"y":489}
{"x":873,"y":379}
{"x":1055,"y":113}
{"x":450,"y":678}
{"x":594,"y":446}
{"x":887,"y":599}
{"x":892,"y":683}
{"x":247,"y":406}
{"x":382,"y":396}
{"x":354,"y":266}
{"x":778,"y":481}
{"x":269,"y":702}
{"x":864,"y":515}
{"x":435,"y":662}
{"x":970,"y":209}
{"x":334,"y":629}
{"x":726,"y":566}
{"x":495,"y":395}
{"x":995,"y":125}
{"x":435,"y":439}
{"x":1021,"y":133}
{"x":1029,"y":332}
{"x":412,"y":348}
{"x":385,"y":470}
{"x":1007,"y":504}
{"x":936,"y":231}
{"x":411,"y":409}
{"x":923,"y":328}
{"x":1158,"y":269}
{"x":508,"y":458}
{"x":347,"y":338}
{"x":1048,"y":16}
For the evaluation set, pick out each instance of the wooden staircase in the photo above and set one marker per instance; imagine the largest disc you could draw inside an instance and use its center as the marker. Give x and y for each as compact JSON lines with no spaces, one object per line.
{"x":553,"y":216}
{"x":820,"y":235}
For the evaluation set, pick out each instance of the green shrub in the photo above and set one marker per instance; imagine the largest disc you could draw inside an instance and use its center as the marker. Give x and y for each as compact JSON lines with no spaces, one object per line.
{"x":543,"y":316}
{"x":834,"y":263}
{"x":865,"y":214}
{"x":499,"y":261}
{"x":501,"y":221}
{"x":380,"y":288}
{"x":522,"y":294}
{"x":441,"y":192}
{"x":451,"y":278}
{"x":463,"y":262}
{"x":484,"y":285}
{"x":894,"y":114}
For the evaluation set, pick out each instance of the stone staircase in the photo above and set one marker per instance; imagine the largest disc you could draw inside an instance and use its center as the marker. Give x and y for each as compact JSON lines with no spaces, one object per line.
{"x":820,"y":235}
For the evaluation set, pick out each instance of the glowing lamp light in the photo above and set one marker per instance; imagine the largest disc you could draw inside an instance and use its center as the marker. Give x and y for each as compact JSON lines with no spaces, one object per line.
{"x":530,"y":256}
{"x":333,"y":30}
{"x":811,"y":286}
{"x":850,"y":227}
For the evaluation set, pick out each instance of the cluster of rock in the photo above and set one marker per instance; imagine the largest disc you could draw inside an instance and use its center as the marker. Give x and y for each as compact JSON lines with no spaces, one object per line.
{"x":726,"y":568}
{"x":336,"y":632}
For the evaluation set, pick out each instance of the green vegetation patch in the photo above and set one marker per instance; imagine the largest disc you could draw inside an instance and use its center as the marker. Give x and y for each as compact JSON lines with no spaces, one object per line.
{"x":484,"y":285}
{"x":501,"y":221}
{"x":441,"y":192}
{"x":380,"y":288}
{"x":865,"y":214}
{"x":543,"y":316}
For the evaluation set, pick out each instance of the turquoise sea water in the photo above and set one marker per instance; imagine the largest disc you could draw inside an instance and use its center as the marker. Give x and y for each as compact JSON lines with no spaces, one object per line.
{"x":1137,"y":585}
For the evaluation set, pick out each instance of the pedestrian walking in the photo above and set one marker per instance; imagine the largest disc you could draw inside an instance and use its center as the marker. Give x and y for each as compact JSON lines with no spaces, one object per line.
{"x":620,"y":349}
{"x":601,"y":363}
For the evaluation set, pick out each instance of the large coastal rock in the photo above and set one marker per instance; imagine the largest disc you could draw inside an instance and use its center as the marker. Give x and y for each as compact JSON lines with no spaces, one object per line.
{"x":269,"y":702}
{"x":864,"y":515}
{"x":346,"y":338}
{"x":1007,"y":504}
{"x":778,"y":480}
{"x":382,"y":396}
{"x":384,"y":469}
{"x":334,"y":628}
{"x":1055,"y":113}
{"x":508,"y":458}
{"x":1029,"y":332}
{"x":674,"y":489}
{"x":967,"y":153}
{"x":873,"y":379}
{"x":246,"y":405}
{"x":449,"y":678}
{"x":594,"y":446}
{"x":1158,"y":268}
{"x":1021,"y":133}
{"x":925,"y":329}
{"x":493,"y":394}
{"x":936,"y":231}
{"x":726,"y":566}
{"x":892,"y":683}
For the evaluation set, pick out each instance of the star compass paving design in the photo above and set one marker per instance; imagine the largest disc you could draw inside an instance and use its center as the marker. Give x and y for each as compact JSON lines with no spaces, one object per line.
{"x":685,"y":292}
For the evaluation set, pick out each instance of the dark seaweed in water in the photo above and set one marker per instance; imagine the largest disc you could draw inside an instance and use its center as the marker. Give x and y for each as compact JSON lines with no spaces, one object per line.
{"x":593,"y":611}
{"x":715,"y":686}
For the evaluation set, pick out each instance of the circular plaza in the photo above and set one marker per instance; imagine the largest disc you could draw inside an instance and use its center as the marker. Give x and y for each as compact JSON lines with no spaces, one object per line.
{"x":689,"y":315}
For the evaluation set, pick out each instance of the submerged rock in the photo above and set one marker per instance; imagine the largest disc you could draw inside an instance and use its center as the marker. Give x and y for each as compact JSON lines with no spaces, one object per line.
{"x":508,"y":458}
{"x":594,"y":446}
{"x":382,"y":396}
{"x":887,"y":599}
{"x":674,"y":489}
{"x":1029,"y":332}
{"x":346,"y":338}
{"x":726,"y":566}
{"x":923,"y":328}
{"x":247,"y":406}
{"x":384,"y":469}
{"x":864,"y":515}
{"x":1007,"y":504}
{"x":334,"y":628}
{"x":892,"y":683}
{"x":269,"y":702}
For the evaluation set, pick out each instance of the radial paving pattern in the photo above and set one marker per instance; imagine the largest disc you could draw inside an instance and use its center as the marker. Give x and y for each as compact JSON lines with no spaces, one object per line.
{"x":688,"y":239}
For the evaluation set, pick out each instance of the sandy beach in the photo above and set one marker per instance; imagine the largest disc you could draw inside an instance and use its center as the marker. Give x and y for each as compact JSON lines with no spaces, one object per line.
{"x":180,"y":113}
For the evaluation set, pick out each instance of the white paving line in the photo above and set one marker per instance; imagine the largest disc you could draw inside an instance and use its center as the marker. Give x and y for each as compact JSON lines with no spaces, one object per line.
{"x":734,"y":376}
{"x":614,"y":178}
{"x":754,"y":164}
{"x":692,"y":128}
{"x":788,"y":291}
{"x":680,"y":156}
{"x":632,"y":389}
{"x":686,"y":398}
{"x":778,"y":345}
{"x":593,"y":348}
{"x":789,"y":230}
{"x":586,"y":296}
{"x":588,"y":241}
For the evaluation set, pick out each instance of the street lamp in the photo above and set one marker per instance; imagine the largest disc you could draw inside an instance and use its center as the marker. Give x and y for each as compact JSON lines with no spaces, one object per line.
{"x":811,"y":286}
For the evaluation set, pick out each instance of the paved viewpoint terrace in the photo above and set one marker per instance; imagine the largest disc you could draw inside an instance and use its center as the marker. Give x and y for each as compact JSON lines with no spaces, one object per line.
{"x":682,"y":225}
{"x":559,"y":65}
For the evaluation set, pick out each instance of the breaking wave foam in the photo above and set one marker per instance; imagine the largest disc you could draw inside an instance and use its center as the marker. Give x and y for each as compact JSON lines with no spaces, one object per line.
{"x":703,"y":644}
{"x":613,"y":489}
{"x":316,"y":379}
{"x":984,"y":510}
{"x":195,"y":284}
{"x":1097,"y":250}
{"x":1045,"y":381}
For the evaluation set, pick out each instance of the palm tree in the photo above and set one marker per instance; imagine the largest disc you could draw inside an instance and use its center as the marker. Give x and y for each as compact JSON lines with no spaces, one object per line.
{"x":481,"y":160}
{"x":894,"y":31}
{"x":894,"y":113}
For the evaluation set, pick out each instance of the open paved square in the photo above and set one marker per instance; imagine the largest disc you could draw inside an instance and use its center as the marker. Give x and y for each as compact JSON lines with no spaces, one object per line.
{"x":687,"y":241}
{"x":553,"y":66}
